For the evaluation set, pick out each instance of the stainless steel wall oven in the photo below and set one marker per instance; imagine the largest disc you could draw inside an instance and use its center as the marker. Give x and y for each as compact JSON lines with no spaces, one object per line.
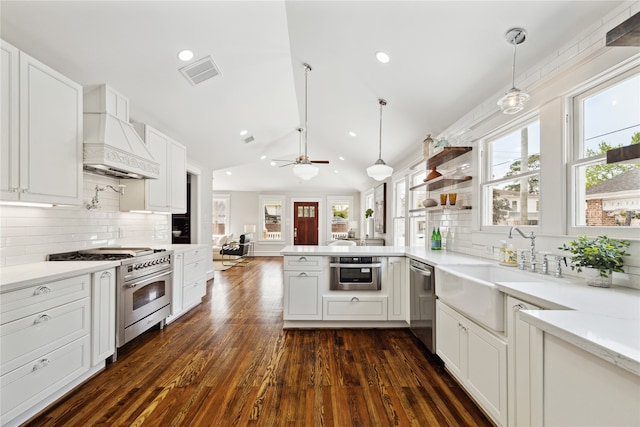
{"x":349,"y":273}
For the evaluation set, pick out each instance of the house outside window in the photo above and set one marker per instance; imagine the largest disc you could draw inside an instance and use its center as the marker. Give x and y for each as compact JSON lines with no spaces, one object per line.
{"x":220,"y":215}
{"x":418,"y":223}
{"x":271,"y":218}
{"x":511,"y":176}
{"x":606,"y":116}
{"x":340,"y":217}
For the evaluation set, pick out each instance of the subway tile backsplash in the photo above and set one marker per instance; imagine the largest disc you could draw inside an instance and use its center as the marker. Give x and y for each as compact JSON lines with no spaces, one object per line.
{"x":29,"y":234}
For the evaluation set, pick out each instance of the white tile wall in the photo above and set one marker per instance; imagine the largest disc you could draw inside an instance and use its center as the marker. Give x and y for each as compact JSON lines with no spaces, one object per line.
{"x":29,"y":234}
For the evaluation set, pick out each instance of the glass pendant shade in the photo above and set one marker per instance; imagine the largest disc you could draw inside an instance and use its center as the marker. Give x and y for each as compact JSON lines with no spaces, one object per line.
{"x":513,"y":101}
{"x":305,"y":171}
{"x":379,"y":170}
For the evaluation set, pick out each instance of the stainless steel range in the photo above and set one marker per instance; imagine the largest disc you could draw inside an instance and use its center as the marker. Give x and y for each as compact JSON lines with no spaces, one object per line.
{"x":143,"y":287}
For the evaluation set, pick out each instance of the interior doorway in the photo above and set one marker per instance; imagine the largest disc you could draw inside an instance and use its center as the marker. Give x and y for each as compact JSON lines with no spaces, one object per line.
{"x":305,"y":223}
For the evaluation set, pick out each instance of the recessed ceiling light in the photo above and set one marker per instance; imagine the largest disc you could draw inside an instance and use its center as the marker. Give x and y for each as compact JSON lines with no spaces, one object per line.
{"x":243,"y":132}
{"x":336,"y":171}
{"x":341,"y":158}
{"x":263,"y":157}
{"x":382,"y":57}
{"x":272,"y":163}
{"x":185,"y":55}
{"x":229,"y":172}
{"x":351,"y":133}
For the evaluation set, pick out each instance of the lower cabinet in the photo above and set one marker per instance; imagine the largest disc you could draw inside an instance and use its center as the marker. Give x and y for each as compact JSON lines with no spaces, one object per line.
{"x":519,"y":361}
{"x":189,"y":280}
{"x":103,"y":316}
{"x":476,"y":357}
{"x":354,"y":307}
{"x":302,"y":295}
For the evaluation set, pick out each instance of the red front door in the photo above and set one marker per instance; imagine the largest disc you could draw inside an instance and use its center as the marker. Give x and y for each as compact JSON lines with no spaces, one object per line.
{"x":305,"y":223}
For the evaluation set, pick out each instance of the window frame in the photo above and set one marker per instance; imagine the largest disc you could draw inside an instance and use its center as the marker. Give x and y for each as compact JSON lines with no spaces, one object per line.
{"x":329,"y":214}
{"x":485,"y":199}
{"x":227,"y":225}
{"x":575,"y":148}
{"x":262,"y":198}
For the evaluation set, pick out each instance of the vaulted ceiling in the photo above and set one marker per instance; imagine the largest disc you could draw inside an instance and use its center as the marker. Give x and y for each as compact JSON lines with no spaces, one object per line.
{"x":447,"y":57}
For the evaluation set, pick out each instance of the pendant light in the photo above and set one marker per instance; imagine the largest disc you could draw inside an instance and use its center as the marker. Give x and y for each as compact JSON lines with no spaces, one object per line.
{"x":380,"y":170}
{"x":513,"y":101}
{"x":304,"y":169}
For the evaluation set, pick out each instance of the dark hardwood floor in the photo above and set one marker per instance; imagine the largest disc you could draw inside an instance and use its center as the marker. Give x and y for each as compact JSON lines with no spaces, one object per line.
{"x":228,"y":362}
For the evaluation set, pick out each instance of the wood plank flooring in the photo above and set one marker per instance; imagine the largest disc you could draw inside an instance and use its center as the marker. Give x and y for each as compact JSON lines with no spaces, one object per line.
{"x":228,"y":362}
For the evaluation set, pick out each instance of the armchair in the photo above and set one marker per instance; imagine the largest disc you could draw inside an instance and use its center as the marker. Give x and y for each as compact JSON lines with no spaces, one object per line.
{"x":239,"y":249}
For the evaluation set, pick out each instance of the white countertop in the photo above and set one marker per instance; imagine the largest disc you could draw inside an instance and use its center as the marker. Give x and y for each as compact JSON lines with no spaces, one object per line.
{"x":23,"y":276}
{"x":602,"y":321}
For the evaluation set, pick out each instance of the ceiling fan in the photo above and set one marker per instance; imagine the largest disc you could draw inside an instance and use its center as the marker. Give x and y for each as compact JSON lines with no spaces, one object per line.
{"x":302,"y":158}
{"x":303,"y":165}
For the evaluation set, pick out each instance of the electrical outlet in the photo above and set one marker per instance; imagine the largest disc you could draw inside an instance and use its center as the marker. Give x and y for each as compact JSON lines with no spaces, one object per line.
{"x":488,"y":249}
{"x":121,"y":232}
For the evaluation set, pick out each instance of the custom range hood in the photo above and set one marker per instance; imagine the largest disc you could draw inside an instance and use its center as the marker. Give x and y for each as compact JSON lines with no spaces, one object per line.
{"x":111,"y":145}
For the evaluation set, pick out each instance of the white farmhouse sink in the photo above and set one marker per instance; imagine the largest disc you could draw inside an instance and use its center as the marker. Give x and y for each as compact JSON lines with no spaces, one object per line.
{"x":471,"y":289}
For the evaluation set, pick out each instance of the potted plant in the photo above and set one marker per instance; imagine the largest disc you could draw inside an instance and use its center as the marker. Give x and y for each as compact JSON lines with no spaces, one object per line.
{"x":599,"y":257}
{"x":368,"y":222}
{"x":368,"y":213}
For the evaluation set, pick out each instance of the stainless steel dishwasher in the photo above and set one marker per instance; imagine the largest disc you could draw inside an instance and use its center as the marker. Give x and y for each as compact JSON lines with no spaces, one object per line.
{"x":422,"y":308}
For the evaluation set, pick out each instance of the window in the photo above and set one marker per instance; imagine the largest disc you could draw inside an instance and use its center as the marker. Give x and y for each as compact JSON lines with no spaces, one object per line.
{"x":339,"y":215}
{"x":272,"y":218}
{"x":220,"y":215}
{"x":606,"y":116}
{"x":418,"y":223}
{"x":368,"y":222}
{"x":399,"y":202}
{"x":512,"y":169}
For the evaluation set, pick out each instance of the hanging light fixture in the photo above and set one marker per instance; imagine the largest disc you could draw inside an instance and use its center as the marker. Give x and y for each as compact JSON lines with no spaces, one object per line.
{"x":380,"y":170}
{"x":304,"y":169}
{"x":513,"y":101}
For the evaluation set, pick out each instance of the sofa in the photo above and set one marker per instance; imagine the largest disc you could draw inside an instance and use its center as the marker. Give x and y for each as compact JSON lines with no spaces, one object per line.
{"x":218,"y":243}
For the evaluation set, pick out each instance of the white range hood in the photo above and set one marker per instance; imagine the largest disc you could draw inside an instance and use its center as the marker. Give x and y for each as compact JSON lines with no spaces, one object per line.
{"x":111,"y":145}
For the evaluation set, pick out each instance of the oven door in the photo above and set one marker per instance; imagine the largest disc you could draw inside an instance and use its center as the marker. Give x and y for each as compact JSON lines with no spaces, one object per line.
{"x":355,"y":277}
{"x":144,"y":296}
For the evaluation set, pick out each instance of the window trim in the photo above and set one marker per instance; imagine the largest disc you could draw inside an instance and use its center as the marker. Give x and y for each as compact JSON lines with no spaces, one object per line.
{"x":227,"y":224}
{"x":329,"y":214}
{"x":574,"y":148}
{"x":485,"y":203}
{"x":283,"y":218}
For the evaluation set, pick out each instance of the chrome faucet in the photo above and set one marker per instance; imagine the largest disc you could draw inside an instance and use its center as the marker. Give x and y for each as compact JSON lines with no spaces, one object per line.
{"x":531,"y":236}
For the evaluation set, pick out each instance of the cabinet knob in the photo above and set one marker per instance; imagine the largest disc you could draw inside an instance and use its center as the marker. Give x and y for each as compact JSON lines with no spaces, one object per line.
{"x":42,"y":290}
{"x":302,"y":258}
{"x":303,"y":274}
{"x":42,"y":318}
{"x":518,"y":307}
{"x":40,"y":364}
{"x":355,"y":299}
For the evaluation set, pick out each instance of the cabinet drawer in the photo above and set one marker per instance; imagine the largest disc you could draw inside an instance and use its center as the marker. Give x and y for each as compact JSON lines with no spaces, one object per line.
{"x":24,"y":302}
{"x":303,"y":262}
{"x":25,"y":338}
{"x":354,"y":308}
{"x":195,"y":255}
{"x":193,"y":293}
{"x":30,"y":383}
{"x":193,"y":272}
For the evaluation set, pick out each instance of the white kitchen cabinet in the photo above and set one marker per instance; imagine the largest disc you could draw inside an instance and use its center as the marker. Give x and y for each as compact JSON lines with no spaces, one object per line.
{"x":476,"y":357}
{"x":354,"y":307}
{"x":103,"y":306}
{"x":41,"y":132}
{"x":302,"y":295}
{"x":582,"y":389}
{"x":396,"y":284}
{"x":519,"y":336}
{"x":303,"y":283}
{"x":45,"y":335}
{"x":168,"y":193}
{"x":189,"y":280}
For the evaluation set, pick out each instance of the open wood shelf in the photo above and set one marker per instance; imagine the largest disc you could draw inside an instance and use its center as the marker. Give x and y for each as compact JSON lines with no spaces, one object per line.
{"x":440,"y":209}
{"x":447,"y":153}
{"x":440,"y":182}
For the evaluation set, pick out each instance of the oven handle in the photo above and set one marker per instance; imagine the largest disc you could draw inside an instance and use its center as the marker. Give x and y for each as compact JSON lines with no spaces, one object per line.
{"x":149,"y":279}
{"x":376,"y":265}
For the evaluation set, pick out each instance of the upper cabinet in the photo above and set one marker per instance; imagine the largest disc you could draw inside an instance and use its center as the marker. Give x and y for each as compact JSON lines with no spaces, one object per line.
{"x":168,"y":193}
{"x":41,"y":132}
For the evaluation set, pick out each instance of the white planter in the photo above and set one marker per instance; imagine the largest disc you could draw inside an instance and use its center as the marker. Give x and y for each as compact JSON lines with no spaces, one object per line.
{"x":593,"y":278}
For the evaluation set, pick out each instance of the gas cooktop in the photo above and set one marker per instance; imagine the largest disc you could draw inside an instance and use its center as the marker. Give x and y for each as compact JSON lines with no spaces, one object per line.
{"x":103,"y":254}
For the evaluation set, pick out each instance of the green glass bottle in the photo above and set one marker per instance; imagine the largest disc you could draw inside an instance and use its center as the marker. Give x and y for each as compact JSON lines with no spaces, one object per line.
{"x":438,"y":239}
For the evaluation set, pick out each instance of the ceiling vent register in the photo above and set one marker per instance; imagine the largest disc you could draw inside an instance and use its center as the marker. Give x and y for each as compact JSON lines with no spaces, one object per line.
{"x":200,"y":71}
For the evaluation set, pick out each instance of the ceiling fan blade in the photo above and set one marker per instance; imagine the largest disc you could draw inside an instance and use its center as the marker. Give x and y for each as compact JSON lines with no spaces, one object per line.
{"x":325,"y":162}
{"x":288,"y":164}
